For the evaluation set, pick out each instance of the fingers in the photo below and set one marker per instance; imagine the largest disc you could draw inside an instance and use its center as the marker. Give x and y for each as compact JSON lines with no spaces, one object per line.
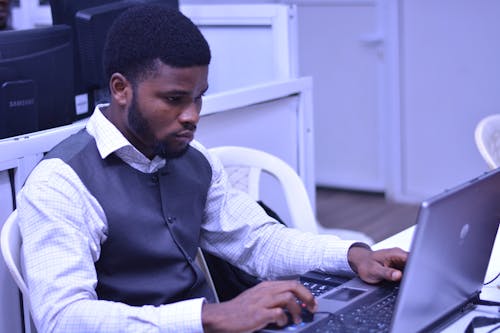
{"x":395,"y":275}
{"x":381,"y":273}
{"x":270,"y":302}
{"x":278,"y":317}
{"x":287,"y":292}
{"x":393,"y":261}
{"x":287,"y":299}
{"x":375,"y":266}
{"x":395,"y":257}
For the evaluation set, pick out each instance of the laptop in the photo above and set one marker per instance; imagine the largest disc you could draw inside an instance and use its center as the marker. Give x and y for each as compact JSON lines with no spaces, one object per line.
{"x":443,"y":277}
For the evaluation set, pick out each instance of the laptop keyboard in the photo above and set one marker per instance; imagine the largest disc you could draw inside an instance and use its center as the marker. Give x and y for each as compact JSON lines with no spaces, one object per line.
{"x":319,"y":283}
{"x":369,"y":317}
{"x":317,"y":289}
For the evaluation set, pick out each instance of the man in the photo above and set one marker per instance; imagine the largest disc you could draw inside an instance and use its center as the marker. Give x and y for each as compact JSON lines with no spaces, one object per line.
{"x":112,"y":217}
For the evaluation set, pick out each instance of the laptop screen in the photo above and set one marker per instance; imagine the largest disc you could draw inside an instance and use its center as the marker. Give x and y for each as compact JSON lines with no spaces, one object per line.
{"x":450,"y":253}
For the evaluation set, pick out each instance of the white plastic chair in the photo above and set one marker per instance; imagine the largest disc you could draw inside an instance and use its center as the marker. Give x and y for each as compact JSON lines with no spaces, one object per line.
{"x":487,"y":137}
{"x":10,"y":244}
{"x":21,"y":154}
{"x":245,"y":167}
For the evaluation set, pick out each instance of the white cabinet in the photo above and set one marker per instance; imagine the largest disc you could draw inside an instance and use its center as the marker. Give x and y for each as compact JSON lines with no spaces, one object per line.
{"x":273,"y":117}
{"x":340,"y":49}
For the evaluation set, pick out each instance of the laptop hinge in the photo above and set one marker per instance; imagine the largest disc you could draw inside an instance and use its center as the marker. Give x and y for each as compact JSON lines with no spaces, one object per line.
{"x":453,"y":315}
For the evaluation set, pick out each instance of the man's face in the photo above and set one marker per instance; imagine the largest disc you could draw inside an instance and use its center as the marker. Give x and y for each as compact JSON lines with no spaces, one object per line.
{"x":165,"y":110}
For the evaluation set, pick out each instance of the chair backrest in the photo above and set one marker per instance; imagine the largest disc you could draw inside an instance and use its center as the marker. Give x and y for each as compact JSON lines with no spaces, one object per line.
{"x":246,"y":165}
{"x":487,"y":137}
{"x":23,"y":153}
{"x":10,"y":243}
{"x":18,"y":156}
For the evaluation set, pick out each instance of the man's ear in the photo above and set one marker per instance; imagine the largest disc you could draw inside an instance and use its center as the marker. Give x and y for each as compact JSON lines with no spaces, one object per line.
{"x":121,"y":89}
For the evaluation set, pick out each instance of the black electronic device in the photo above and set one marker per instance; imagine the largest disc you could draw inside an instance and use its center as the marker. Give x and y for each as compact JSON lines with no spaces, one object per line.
{"x":36,"y":80}
{"x":91,"y":20}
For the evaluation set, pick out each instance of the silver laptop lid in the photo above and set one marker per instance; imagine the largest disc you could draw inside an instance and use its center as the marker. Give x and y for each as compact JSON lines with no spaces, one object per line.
{"x":449,"y":254}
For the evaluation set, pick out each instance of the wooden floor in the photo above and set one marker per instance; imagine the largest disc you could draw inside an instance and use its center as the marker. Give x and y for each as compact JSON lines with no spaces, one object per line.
{"x":369,"y":213}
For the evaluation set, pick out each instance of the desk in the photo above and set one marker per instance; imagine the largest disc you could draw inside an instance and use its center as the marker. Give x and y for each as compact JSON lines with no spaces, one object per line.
{"x":490,"y":292}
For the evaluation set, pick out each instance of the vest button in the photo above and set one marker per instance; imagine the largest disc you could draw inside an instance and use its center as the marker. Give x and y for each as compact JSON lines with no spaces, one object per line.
{"x":154,"y":178}
{"x":170,"y":219}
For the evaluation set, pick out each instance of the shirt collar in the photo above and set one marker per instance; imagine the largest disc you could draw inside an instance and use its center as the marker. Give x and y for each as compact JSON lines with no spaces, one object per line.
{"x":110,"y":140}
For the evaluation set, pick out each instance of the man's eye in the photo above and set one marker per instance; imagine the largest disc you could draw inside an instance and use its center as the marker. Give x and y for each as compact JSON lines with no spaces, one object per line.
{"x":174,"y":99}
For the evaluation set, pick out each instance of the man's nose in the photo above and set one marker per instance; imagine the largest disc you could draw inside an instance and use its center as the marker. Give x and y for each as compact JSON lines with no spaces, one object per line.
{"x":191,"y":113}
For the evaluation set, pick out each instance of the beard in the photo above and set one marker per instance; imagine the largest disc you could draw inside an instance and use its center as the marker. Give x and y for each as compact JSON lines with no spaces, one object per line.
{"x":162,"y":150}
{"x":142,"y":129}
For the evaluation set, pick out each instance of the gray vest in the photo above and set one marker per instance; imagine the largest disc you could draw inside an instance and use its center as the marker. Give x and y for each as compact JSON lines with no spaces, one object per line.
{"x":153,"y":223}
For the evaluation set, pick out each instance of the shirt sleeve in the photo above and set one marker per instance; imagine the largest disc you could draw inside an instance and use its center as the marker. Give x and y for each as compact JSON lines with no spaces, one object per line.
{"x":62,"y":227}
{"x":237,"y":229}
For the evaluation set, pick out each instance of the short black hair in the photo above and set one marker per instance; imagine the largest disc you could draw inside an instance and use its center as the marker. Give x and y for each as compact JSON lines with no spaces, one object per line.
{"x":144,"y":34}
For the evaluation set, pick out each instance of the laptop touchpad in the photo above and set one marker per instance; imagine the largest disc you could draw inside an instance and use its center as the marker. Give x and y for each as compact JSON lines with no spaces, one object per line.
{"x":344,"y":294}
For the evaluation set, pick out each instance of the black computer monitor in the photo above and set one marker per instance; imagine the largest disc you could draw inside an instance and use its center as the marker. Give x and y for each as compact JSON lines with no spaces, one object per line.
{"x":36,"y":80}
{"x":90,"y":21}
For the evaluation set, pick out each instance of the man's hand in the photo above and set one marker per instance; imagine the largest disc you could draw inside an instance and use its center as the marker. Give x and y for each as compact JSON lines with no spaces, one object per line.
{"x":375,"y":266}
{"x":257,"y":307}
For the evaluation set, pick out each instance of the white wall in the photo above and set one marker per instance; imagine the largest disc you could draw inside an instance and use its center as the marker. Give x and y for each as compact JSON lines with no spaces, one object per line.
{"x":402,"y":124}
{"x":250,"y":44}
{"x":450,"y":79}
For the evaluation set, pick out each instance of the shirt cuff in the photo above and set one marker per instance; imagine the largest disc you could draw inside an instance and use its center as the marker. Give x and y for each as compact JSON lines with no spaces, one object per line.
{"x":335,"y":257}
{"x":184,"y":316}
